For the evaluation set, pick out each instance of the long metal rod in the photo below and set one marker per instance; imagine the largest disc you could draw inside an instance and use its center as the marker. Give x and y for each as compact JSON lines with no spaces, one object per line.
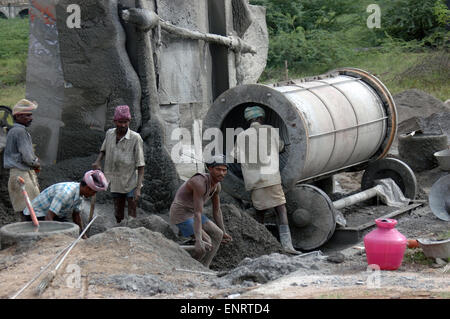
{"x":197,"y":272}
{"x":301,"y":88}
{"x":43,"y":269}
{"x":70,"y":246}
{"x":75,"y":242}
{"x":330,"y":172}
{"x":234,"y":43}
{"x":389,"y":215}
{"x":151,"y":20}
{"x":349,"y":128}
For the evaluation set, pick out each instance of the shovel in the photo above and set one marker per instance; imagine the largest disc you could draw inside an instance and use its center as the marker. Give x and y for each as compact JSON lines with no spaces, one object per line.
{"x":21,"y":182}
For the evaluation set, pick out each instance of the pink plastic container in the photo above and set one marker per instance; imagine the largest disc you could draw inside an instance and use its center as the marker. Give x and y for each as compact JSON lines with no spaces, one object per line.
{"x":385,"y":246}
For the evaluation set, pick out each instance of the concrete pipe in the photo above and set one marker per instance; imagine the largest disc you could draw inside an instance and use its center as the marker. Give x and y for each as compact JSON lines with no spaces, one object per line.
{"x":25,"y":231}
{"x":329,"y":123}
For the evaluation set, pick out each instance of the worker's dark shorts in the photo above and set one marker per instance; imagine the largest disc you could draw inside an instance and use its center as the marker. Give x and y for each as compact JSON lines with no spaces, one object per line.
{"x":187,"y":227}
{"x":121,"y":195}
{"x":56,"y":219}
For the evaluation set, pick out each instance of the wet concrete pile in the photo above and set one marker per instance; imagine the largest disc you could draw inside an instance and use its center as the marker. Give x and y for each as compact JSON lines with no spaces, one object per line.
{"x":267,"y":268}
{"x":250,"y":239}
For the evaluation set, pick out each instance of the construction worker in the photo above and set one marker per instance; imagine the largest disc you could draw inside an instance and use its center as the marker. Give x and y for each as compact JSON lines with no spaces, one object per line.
{"x":186,"y":211}
{"x":257,"y":151}
{"x":57,"y":201}
{"x":123,"y":151}
{"x":19,"y":157}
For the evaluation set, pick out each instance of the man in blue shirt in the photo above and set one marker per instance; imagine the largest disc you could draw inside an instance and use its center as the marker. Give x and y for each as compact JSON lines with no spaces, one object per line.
{"x":56,"y":202}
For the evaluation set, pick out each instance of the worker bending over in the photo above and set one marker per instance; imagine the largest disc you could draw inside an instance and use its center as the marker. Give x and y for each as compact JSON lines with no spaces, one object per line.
{"x":56,"y":202}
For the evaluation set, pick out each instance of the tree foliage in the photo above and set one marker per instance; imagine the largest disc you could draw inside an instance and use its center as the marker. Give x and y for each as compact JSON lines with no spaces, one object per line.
{"x":415,"y":19}
{"x":323,"y":32}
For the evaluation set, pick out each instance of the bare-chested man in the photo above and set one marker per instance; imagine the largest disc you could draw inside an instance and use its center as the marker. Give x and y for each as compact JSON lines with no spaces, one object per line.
{"x":186,"y":211}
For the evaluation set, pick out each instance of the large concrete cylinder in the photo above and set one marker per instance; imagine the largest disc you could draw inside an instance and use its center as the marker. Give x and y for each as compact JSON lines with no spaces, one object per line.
{"x":329,"y":123}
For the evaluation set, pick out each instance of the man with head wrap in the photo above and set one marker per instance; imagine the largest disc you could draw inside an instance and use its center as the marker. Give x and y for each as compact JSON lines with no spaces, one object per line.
{"x":123,"y":151}
{"x":19,"y":156}
{"x":186,"y":211}
{"x":56,"y":202}
{"x":257,"y":151}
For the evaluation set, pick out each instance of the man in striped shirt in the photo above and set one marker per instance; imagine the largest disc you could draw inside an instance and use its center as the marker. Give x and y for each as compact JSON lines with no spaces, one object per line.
{"x":56,"y":202}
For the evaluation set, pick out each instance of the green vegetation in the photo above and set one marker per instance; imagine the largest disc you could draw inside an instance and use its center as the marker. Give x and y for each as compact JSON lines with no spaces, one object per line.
{"x":443,"y":236}
{"x":416,"y":256}
{"x":13,"y":56}
{"x":409,"y":50}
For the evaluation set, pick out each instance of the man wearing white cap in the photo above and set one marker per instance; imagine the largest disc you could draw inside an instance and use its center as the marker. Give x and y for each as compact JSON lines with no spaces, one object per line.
{"x":257,"y":151}
{"x":19,"y":156}
{"x":56,"y":202}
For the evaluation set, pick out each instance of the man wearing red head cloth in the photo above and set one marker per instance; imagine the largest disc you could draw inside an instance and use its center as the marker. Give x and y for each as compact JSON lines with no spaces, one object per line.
{"x":123,"y":152}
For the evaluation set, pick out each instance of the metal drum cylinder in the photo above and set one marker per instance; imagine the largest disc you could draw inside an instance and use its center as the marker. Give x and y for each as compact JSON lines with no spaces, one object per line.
{"x":329,"y":123}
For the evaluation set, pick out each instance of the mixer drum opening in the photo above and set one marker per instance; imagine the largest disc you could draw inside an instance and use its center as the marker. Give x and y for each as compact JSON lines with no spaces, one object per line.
{"x":235,"y":119}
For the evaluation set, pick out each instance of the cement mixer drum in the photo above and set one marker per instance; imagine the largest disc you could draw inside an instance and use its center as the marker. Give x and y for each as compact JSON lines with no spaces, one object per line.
{"x":330,"y":123}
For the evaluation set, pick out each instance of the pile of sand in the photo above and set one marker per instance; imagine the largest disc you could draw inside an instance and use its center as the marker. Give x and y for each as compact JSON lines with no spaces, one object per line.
{"x":132,"y":261}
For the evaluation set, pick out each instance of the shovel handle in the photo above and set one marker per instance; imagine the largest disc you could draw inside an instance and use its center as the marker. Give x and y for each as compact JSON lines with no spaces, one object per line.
{"x":92,"y":209}
{"x":21,"y":182}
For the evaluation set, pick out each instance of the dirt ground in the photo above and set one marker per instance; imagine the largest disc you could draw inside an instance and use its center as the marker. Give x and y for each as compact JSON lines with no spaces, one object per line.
{"x":142,"y":259}
{"x":125,"y":263}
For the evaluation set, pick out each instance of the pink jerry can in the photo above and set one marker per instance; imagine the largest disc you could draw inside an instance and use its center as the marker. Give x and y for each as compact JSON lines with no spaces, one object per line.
{"x":385,"y":246}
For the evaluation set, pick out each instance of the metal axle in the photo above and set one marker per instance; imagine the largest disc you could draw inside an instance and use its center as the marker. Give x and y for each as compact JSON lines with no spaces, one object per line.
{"x":357,"y":198}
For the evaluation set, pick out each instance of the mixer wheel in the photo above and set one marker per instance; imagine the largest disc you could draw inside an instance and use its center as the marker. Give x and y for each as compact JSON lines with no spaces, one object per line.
{"x":392,"y":168}
{"x":311,"y":216}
